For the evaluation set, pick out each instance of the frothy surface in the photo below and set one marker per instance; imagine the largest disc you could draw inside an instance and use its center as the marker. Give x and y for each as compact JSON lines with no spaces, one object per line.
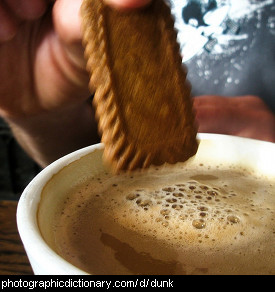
{"x":170,"y":220}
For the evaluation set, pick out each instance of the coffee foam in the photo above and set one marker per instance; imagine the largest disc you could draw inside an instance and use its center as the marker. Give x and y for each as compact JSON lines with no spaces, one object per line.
{"x":224,"y":211}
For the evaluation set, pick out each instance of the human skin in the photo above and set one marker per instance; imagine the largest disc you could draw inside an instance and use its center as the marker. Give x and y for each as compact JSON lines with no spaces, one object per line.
{"x":246,"y":116}
{"x":44,"y":94}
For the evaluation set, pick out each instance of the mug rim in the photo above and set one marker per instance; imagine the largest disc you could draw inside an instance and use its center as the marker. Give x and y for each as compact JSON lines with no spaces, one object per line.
{"x":26,"y":215}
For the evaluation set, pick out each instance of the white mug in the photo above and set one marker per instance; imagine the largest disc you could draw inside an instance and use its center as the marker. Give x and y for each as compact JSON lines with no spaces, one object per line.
{"x":51,"y":183}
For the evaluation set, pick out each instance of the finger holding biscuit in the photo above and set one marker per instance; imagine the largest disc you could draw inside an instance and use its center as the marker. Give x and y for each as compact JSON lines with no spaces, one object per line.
{"x":127,"y":4}
{"x":14,"y":12}
{"x":44,"y":85}
{"x":67,"y":24}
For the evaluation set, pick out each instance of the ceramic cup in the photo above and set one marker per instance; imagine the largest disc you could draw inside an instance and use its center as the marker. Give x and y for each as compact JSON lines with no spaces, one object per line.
{"x":52,"y":183}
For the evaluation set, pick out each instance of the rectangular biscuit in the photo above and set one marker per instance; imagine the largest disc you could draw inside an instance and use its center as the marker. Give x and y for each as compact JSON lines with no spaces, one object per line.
{"x":142,"y":97}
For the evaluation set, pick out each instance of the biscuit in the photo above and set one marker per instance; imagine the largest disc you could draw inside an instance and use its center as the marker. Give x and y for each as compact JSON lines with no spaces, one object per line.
{"x":142,"y":97}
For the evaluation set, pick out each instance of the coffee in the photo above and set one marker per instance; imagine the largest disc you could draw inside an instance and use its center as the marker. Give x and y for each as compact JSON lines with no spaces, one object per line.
{"x":189,"y":218}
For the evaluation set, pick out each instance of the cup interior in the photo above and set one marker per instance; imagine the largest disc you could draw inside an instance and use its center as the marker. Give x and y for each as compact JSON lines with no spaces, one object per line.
{"x":42,"y":197}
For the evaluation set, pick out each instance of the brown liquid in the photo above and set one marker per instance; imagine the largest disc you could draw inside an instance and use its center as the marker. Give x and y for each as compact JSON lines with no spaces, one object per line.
{"x":172,"y":220}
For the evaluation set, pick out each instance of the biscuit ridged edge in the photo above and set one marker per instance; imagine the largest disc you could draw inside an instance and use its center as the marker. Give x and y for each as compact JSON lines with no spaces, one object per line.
{"x":118,"y":151}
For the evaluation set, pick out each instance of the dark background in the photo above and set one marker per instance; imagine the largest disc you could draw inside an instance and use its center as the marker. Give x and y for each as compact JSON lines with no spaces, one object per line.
{"x":16,"y":168}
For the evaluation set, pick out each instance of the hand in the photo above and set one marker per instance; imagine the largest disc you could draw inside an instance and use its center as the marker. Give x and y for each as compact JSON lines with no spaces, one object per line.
{"x":42,"y":66}
{"x":43,"y":81}
{"x":41,"y":55}
{"x":245,"y":116}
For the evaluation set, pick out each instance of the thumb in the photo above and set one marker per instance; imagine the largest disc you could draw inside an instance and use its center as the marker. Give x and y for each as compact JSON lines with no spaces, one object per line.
{"x":67,"y":23}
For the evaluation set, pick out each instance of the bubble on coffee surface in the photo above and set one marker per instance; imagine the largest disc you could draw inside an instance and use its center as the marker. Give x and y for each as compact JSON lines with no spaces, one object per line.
{"x":219,"y":209}
{"x":197,"y":205}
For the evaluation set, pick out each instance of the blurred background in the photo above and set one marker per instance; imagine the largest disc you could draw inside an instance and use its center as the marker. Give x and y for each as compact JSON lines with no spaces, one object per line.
{"x":16,"y":168}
